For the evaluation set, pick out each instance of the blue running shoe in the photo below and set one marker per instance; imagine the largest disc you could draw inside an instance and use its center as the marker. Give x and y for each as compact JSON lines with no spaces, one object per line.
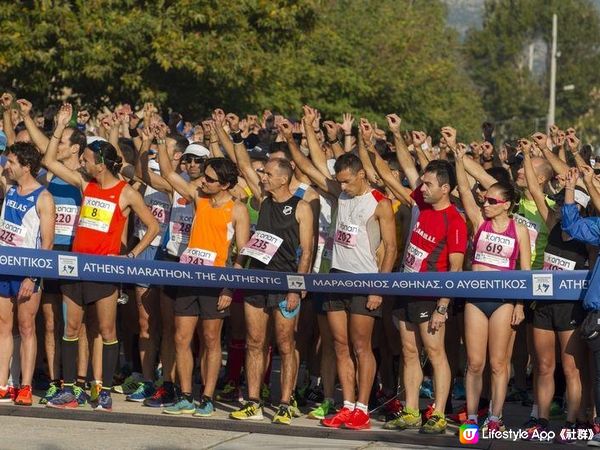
{"x":81,"y":396}
{"x":50,"y":393}
{"x":63,"y":400}
{"x":183,"y":406}
{"x":104,"y":402}
{"x":205,"y":408}
{"x":426,"y":390}
{"x":144,"y":391}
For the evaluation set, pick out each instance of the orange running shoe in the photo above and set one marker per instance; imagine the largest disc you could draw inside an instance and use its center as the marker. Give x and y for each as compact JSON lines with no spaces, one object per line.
{"x":5,"y":395}
{"x":339,"y":419}
{"x":24,"y":398}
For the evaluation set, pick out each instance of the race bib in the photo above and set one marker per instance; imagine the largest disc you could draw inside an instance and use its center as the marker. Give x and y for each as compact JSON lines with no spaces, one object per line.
{"x":12,"y":235}
{"x":346,"y":235}
{"x":494,"y":249}
{"x":532,"y":228}
{"x":96,"y":214}
{"x":66,"y":216}
{"x":198,"y":256}
{"x":159,"y":211}
{"x":180,"y":231}
{"x":414,"y":258}
{"x":262,"y":246}
{"x":553,"y":262}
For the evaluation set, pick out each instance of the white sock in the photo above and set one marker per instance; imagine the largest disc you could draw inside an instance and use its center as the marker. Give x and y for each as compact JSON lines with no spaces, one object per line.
{"x":364,"y":408}
{"x":15,"y":363}
{"x":494,"y":418}
{"x":349,"y":405}
{"x":473,"y":417}
{"x":534,"y":411}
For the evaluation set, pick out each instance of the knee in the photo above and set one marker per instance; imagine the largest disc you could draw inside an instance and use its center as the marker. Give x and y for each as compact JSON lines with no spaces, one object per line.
{"x":362,"y":348}
{"x":341,"y":348}
{"x":144,"y":327}
{"x":211,"y":341}
{"x":26,"y":328}
{"x":545,"y":366}
{"x":255,"y":343}
{"x":475,"y":366}
{"x":436,"y":353}
{"x":498,"y":366}
{"x":570,"y":370}
{"x":108,"y":332}
{"x":286,"y":345}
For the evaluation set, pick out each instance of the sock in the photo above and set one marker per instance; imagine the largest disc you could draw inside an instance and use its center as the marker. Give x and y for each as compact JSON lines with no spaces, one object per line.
{"x":15,"y":362}
{"x":535,"y":411}
{"x":110,"y":357}
{"x":80,"y":384}
{"x":287,"y":405}
{"x":267,"y":377}
{"x":349,"y":405}
{"x":364,"y":408}
{"x":236,"y":353}
{"x":473,"y":417}
{"x":494,"y":419}
{"x":70,"y":351}
{"x":188,"y":396}
{"x":254,"y":400}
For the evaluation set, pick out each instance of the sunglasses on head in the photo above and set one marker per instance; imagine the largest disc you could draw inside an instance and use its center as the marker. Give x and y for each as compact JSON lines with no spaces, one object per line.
{"x":96,"y":147}
{"x":493,"y":201}
{"x":192,"y":159}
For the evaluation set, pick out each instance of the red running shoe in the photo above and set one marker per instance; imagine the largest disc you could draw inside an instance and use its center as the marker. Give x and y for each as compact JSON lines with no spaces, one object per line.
{"x":13,"y":391}
{"x":358,"y":421}
{"x":339,"y":419}
{"x":24,"y":398}
{"x":426,"y":415}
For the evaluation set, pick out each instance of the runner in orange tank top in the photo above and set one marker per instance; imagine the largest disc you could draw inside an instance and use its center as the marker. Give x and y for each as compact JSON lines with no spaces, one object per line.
{"x":106,"y":203}
{"x":217,"y":220}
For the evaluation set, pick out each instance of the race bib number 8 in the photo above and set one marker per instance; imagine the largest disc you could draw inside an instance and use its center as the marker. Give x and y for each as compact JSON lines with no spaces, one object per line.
{"x":262,"y":246}
{"x":198,"y":256}
{"x":96,"y":214}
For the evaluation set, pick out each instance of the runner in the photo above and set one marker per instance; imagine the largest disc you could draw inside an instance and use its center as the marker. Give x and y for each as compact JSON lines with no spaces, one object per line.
{"x":283,"y":241}
{"x":27,"y":222}
{"x":106,"y":202}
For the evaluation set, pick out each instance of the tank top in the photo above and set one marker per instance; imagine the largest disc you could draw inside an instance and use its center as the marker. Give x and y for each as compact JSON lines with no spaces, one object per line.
{"x":275,"y":245}
{"x":159,"y":205}
{"x":20,"y":220}
{"x":529,"y":216}
{"x":564,"y":255}
{"x":496,"y":250}
{"x":67,"y":199}
{"x":101,"y":221}
{"x":325,"y":236}
{"x":357,"y":234}
{"x":181,"y":219}
{"x":210,"y":238}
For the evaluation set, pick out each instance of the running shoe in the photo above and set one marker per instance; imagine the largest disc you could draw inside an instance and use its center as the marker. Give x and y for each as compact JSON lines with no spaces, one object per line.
{"x":300,"y":395}
{"x":435,"y":425}
{"x":458,"y":392}
{"x":324,"y":409}
{"x":64,"y":399}
{"x":250,"y":411}
{"x":359,"y":420}
{"x":104,"y":402}
{"x":6,"y":395}
{"x":161,"y":398}
{"x":265,"y":393}
{"x":315,"y":395}
{"x":517,"y":395}
{"x":427,"y":412}
{"x":294,"y":407}
{"x":426,"y":390}
{"x":95,"y":389}
{"x":283,"y":415}
{"x":530,"y":423}
{"x":493,"y":425}
{"x":461,"y":416}
{"x":391,"y":410}
{"x":408,"y":418}
{"x":24,"y":398}
{"x":595,"y":441}
{"x":567,"y":434}
{"x":338,"y":419}
{"x":230,"y":393}
{"x":595,"y":426}
{"x":183,"y":406}
{"x":50,"y":393}
{"x":466,"y":422}
{"x":80,"y":395}
{"x":13,"y":391}
{"x":534,"y":431}
{"x":205,"y":408}
{"x":144,"y":391}
{"x":130,"y":384}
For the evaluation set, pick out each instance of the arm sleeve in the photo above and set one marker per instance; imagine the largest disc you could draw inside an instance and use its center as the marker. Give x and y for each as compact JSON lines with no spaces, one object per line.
{"x":585,"y":230}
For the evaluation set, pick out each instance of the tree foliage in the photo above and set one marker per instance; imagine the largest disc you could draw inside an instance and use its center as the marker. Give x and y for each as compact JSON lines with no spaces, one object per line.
{"x":368,"y":57}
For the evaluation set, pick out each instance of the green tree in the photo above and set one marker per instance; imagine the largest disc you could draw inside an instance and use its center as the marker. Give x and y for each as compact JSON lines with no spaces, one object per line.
{"x":496,"y":60}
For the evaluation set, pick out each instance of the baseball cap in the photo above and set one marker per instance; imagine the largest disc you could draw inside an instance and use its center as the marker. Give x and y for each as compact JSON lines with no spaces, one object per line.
{"x":196,"y":149}
{"x":91,"y":139}
{"x":3,"y":141}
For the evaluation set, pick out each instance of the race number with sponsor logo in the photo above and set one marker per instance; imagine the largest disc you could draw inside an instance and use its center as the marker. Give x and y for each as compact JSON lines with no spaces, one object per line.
{"x":198,"y":256}
{"x":346,"y":235}
{"x":494,"y":249}
{"x":11,"y":234}
{"x":66,"y":216}
{"x":414,"y":258}
{"x":532,"y":228}
{"x":262,"y":246}
{"x":96,"y":214}
{"x":553,"y":262}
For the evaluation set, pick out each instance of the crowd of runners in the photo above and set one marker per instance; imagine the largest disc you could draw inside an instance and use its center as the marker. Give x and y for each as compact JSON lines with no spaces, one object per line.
{"x":304,"y":196}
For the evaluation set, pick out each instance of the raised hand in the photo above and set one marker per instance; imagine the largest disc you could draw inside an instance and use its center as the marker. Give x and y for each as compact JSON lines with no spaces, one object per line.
{"x":449,"y":134}
{"x":310,"y":115}
{"x":394,"y":122}
{"x":25,"y":106}
{"x":64,"y":115}
{"x":524,"y":146}
{"x":366,"y":130}
{"x":572,"y":142}
{"x":418,"y":138}
{"x":233,"y":121}
{"x":347,"y":123}
{"x":572,"y":176}
{"x":331,"y":129}
{"x":6,"y":99}
{"x":285,"y":129}
{"x":459,"y":151}
{"x":541,"y":140}
{"x":588,"y":174}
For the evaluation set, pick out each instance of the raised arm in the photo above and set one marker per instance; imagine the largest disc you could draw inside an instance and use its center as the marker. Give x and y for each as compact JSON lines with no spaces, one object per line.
{"x":142,"y":170}
{"x":533,"y":185}
{"x":50,"y":162}
{"x":558,"y":165}
{"x":219,"y":120}
{"x":37,"y":136}
{"x":419,"y":140}
{"x":347,"y":122}
{"x":364,"y":141}
{"x":404,"y":157}
{"x":317,"y":155}
{"x":8,"y":126}
{"x":464,"y":189}
{"x":245,"y":166}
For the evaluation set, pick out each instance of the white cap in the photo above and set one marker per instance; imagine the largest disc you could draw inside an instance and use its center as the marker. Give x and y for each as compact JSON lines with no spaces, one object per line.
{"x":91,"y":139}
{"x":196,"y":150}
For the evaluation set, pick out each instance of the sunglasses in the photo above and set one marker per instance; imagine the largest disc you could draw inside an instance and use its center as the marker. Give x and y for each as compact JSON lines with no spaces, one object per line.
{"x":493,"y":201}
{"x":192,"y":159}
{"x":597,"y":171}
{"x":210,"y":179}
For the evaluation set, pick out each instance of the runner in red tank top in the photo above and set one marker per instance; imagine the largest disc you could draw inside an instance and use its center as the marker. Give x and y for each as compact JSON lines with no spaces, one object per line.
{"x":106,"y":203}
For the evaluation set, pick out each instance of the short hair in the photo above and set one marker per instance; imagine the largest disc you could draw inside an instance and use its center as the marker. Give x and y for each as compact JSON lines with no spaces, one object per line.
{"x":392,"y":161}
{"x":284,"y":166}
{"x":78,"y":138}
{"x":348,"y":161}
{"x":443,"y":171}
{"x":105,"y":153}
{"x":181,"y":142}
{"x":226,"y":170}
{"x":27,"y":155}
{"x":543,"y":168}
{"x":500,"y":174}
{"x":281,"y":147}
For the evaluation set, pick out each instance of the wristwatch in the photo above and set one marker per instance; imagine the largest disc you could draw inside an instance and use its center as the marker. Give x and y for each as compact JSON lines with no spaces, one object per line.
{"x":442,"y":309}
{"x":131,"y":255}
